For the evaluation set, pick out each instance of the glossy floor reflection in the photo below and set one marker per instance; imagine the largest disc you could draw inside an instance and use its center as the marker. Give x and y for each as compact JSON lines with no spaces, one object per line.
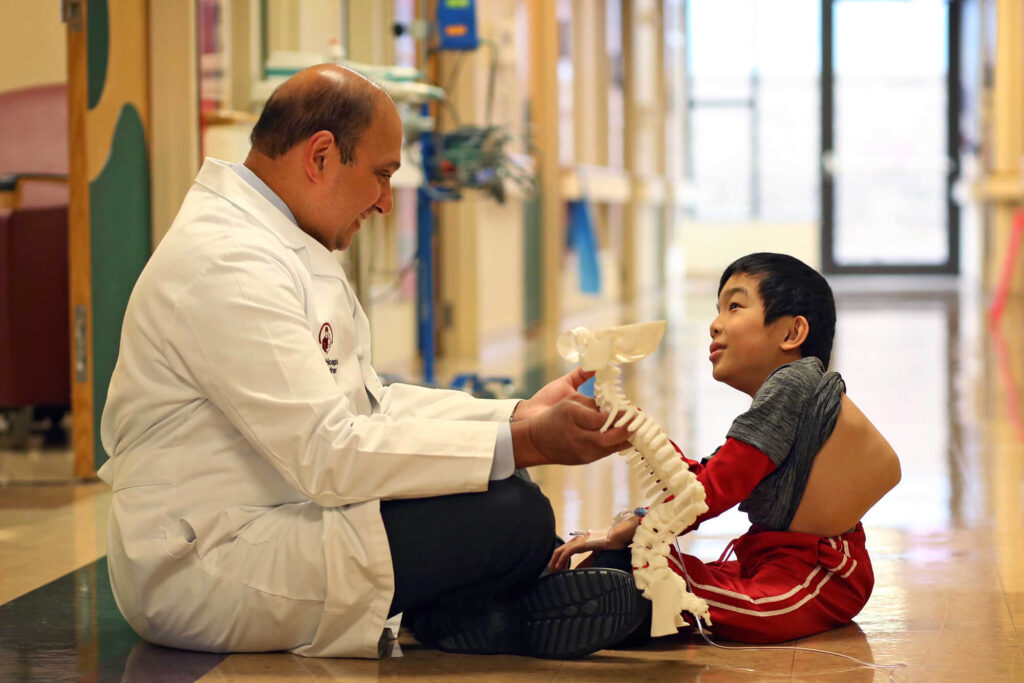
{"x":947,"y":544}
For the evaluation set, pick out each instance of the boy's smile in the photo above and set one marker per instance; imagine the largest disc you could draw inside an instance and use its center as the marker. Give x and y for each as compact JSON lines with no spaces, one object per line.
{"x":744,"y":351}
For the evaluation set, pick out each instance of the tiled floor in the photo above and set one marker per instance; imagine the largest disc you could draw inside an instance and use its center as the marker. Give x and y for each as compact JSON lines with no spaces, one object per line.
{"x":947,"y":544}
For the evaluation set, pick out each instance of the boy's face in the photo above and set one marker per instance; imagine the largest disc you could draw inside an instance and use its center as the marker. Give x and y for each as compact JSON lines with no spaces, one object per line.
{"x":744,"y":351}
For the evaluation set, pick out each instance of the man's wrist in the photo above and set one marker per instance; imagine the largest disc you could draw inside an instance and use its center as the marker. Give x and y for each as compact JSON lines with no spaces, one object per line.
{"x":524,"y":452}
{"x":521,"y":411}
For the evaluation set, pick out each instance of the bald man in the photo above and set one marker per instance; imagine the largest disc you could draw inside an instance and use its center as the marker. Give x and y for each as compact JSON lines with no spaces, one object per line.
{"x":269,"y":492}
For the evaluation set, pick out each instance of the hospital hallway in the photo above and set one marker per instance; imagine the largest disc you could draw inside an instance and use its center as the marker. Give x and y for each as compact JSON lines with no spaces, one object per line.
{"x":923,"y":364}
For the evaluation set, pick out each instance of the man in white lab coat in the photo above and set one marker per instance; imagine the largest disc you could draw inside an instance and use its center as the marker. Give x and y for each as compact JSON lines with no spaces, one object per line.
{"x":269,"y":492}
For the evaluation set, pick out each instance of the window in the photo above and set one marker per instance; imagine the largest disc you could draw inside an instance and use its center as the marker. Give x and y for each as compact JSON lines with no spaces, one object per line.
{"x":753,"y":137}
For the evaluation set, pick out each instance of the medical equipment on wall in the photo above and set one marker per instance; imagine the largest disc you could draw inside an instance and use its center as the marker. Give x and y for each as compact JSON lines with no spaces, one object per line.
{"x":456,"y":25}
{"x":477,"y":157}
{"x":469,"y":157}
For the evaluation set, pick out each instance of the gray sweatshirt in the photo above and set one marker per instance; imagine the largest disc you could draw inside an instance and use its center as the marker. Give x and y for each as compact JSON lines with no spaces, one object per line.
{"x":791,"y":417}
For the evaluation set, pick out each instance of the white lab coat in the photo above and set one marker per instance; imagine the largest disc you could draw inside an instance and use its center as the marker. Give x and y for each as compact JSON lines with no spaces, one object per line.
{"x":250,"y":446}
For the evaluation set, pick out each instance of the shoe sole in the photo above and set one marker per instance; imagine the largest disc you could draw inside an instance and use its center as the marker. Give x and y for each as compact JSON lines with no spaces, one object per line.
{"x":563,"y":616}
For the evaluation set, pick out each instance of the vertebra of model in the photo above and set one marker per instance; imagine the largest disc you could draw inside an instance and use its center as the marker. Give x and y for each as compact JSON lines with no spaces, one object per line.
{"x":678,"y":498}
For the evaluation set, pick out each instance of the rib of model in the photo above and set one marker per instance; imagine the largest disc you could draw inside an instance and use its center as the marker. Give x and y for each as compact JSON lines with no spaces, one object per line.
{"x":677,"y":497}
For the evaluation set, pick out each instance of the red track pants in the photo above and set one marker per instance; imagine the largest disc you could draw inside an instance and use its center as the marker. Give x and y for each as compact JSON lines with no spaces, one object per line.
{"x":783,"y":585}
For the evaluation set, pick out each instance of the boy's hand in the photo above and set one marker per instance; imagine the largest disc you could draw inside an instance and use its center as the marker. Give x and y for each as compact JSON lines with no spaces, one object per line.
{"x":568,"y":433}
{"x":615,"y":538}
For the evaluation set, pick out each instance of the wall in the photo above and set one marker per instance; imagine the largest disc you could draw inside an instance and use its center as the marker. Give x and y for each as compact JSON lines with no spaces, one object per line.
{"x":33,"y":38}
{"x":500,"y":226}
{"x":174,"y":108}
{"x":710,"y":247}
{"x":308,"y":25}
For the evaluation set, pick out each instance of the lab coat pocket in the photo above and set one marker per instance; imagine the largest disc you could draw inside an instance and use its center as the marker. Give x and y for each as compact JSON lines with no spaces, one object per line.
{"x":180,"y":544}
{"x":280,"y":552}
{"x":210,"y":530}
{"x":131,"y":470}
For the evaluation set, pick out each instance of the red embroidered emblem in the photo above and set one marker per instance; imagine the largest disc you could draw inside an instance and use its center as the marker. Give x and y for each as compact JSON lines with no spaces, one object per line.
{"x":326,"y":337}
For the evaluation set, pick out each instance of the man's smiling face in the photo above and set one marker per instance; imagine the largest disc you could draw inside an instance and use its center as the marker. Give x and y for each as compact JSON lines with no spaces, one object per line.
{"x":356,"y":191}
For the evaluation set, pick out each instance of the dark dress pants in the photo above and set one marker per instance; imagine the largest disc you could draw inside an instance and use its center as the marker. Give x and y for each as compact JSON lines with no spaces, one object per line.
{"x":468,"y":545}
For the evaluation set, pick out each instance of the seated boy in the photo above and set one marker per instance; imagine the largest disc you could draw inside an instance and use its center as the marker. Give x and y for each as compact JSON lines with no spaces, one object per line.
{"x":803,"y":462}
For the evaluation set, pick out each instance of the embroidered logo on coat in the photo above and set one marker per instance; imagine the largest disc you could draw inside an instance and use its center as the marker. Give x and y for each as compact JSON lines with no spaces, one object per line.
{"x":326,"y":337}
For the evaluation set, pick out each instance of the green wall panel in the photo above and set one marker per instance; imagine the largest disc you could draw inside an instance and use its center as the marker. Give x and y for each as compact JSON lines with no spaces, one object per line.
{"x":98,"y":46}
{"x":119,"y":208}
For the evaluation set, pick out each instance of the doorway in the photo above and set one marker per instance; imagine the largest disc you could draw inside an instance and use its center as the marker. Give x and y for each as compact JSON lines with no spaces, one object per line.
{"x":890,"y":142}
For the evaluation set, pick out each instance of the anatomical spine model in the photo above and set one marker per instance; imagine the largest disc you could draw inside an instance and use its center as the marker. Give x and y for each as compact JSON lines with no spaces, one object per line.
{"x":678,"y":496}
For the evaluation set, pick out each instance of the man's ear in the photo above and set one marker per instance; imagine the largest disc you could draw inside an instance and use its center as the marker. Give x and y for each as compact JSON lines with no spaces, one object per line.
{"x":318,"y":149}
{"x":796,"y":333}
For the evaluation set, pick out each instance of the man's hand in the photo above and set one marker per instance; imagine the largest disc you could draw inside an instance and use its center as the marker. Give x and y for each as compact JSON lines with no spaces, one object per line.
{"x":566,"y":434}
{"x":551,"y":393}
{"x":615,"y":538}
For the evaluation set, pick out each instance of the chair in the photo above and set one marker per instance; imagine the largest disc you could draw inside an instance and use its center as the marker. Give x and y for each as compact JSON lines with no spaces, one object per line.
{"x":34,"y":316}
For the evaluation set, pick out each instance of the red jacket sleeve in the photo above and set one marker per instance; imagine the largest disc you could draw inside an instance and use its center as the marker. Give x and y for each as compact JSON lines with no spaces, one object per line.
{"x":729,"y":476}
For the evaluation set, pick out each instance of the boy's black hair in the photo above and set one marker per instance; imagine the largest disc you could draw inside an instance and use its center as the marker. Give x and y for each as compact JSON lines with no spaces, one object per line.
{"x":788,"y":286}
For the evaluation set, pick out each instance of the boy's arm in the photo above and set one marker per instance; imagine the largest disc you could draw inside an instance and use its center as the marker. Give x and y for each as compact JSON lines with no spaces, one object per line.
{"x":729,"y":476}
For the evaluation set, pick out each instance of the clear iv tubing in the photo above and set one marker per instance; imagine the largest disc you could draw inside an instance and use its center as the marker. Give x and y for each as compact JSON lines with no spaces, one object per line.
{"x":883,"y":667}
{"x":890,"y":668}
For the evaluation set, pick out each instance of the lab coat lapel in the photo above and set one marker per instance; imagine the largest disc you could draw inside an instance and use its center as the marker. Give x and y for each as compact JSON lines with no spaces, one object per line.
{"x":374,"y":388}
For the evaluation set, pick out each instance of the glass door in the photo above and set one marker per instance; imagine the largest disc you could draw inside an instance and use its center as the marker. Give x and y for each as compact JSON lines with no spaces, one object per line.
{"x":890,"y":75}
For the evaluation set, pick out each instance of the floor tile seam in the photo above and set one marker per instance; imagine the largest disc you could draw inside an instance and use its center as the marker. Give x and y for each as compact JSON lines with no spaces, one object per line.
{"x":222,"y":676}
{"x":37,"y":585}
{"x":1017,"y":628}
{"x":31,"y":564}
{"x":22,"y":569}
{"x":938,"y":633}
